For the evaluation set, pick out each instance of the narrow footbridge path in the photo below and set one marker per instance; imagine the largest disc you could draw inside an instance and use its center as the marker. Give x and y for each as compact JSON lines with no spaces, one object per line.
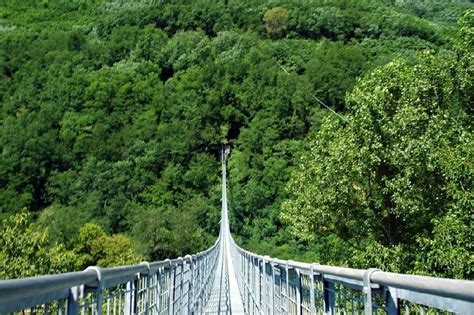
{"x":226,"y":279}
{"x":225,"y":297}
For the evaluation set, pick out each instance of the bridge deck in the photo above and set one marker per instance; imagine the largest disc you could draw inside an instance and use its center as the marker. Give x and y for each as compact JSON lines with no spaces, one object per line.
{"x":280,"y":287}
{"x":218,"y":302}
{"x":225,"y":297}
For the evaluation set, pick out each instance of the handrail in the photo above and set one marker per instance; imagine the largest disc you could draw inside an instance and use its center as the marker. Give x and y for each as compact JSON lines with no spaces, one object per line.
{"x":19,"y":294}
{"x":366,"y":288}
{"x":267,"y":286}
{"x":460,"y":289}
{"x":11,"y":290}
{"x":450,"y":288}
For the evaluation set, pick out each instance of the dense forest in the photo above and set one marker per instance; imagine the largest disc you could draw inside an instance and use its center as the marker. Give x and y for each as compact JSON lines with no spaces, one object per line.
{"x":350,"y":124}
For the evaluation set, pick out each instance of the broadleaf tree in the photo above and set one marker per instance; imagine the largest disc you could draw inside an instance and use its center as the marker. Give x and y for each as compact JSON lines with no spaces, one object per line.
{"x":394,"y":181}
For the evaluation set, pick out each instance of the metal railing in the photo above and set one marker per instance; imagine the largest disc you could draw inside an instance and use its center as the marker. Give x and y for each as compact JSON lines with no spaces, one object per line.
{"x":273,"y":286}
{"x":178,"y":286}
{"x":267,"y":286}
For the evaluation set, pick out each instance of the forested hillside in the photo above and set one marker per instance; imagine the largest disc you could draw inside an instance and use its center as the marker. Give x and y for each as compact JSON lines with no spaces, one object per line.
{"x":350,"y":124}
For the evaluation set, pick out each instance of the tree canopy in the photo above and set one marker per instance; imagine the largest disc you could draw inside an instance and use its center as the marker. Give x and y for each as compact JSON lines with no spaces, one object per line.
{"x":393,"y":183}
{"x":112,"y":113}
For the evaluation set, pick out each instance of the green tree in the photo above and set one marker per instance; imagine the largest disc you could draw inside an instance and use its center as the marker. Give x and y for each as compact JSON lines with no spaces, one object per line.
{"x":95,"y":248}
{"x":26,"y":251}
{"x":276,"y":21}
{"x":385,"y":180}
{"x":112,"y":112}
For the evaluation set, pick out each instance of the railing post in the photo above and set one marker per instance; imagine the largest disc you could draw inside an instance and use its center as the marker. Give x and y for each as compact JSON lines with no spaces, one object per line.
{"x":299,"y":295}
{"x":246,"y":283}
{"x":196,"y":284}
{"x":256,"y":270}
{"x":98,"y":273}
{"x":129,"y":298}
{"x":329,"y":297}
{"x":260,"y":285}
{"x":147,"y":288}
{"x":247,"y":289}
{"x":272,"y":305}
{"x":136,"y":294}
{"x":392,"y":302}
{"x":263,"y":276}
{"x":202,"y":269}
{"x":199,"y":285}
{"x":242,"y":275}
{"x":280,"y":306}
{"x":158,"y":291}
{"x":171,"y":290}
{"x":367,"y":291}
{"x":204,"y":282}
{"x":242,"y":271}
{"x":311,"y":293}
{"x":256,"y":283}
{"x":287,"y":288}
{"x":181,"y":284}
{"x":190,"y":282}
{"x":251,"y":284}
{"x":73,"y":301}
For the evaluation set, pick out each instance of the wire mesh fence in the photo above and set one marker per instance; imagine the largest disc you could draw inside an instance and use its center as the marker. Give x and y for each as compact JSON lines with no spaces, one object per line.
{"x":179,"y":286}
{"x":267,"y":286}
{"x":273,"y":286}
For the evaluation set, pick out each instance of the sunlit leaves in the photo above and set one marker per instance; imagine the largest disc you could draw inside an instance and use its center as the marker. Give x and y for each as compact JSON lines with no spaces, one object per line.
{"x":112,"y":113}
{"x":392,"y":172}
{"x":94,"y":247}
{"x":25,"y":251}
{"x":275,"y":21}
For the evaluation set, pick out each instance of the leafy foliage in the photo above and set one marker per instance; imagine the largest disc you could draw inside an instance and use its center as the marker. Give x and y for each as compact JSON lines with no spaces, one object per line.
{"x":25,"y":252}
{"x":112,"y":113}
{"x":94,"y":247}
{"x":275,"y":21}
{"x":389,"y":180}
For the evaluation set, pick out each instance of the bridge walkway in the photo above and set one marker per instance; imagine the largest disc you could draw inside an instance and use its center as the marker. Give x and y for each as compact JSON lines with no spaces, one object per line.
{"x":208,"y":283}
{"x":225,"y":296}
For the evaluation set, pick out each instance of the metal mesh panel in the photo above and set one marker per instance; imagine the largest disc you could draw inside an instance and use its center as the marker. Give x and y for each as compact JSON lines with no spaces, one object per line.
{"x":267,"y":286}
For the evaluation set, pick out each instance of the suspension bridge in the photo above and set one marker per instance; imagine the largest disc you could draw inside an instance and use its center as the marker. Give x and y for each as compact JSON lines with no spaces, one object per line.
{"x":226,"y":279}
